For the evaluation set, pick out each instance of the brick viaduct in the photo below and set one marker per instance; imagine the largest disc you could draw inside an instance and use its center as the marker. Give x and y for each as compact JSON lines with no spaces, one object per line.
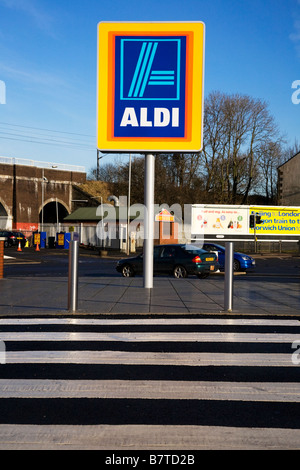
{"x":30,"y":195}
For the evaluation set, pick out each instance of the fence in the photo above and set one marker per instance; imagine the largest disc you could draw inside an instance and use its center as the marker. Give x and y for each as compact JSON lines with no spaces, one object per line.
{"x":115,"y":237}
{"x":87,"y":233}
{"x":106,"y":236}
{"x":41,"y":164}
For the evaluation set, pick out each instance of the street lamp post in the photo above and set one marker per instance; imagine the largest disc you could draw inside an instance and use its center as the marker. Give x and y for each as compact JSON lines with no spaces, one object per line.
{"x":128,"y":206}
{"x":43,"y":182}
{"x":98,"y":163}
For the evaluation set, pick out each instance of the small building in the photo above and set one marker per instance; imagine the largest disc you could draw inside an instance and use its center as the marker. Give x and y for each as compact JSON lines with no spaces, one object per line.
{"x":167,"y":228}
{"x":289,"y":182}
{"x":106,"y":226}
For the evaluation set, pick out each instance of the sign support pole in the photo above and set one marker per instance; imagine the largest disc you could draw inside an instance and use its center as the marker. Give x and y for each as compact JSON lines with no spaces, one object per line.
{"x":228,"y":292}
{"x":149,"y":220}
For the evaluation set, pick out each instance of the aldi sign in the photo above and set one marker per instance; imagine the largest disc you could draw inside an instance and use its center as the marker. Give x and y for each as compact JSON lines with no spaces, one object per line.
{"x":150,"y":86}
{"x":151,"y":78}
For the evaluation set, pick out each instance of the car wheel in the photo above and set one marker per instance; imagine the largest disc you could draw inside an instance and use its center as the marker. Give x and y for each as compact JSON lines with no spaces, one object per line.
{"x":236,"y":265}
{"x":179,"y":272}
{"x":202,"y":275}
{"x":6,"y":244}
{"x":127,"y":271}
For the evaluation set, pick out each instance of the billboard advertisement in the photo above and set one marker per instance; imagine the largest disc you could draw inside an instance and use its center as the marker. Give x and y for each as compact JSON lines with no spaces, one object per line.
{"x":225,"y":220}
{"x":220,"y":220}
{"x":277,"y":220}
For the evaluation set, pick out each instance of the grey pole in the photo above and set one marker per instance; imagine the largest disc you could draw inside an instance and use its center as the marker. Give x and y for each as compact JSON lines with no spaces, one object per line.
{"x":73,"y":276}
{"x":228,"y":292}
{"x":128,"y":207}
{"x":149,"y":220}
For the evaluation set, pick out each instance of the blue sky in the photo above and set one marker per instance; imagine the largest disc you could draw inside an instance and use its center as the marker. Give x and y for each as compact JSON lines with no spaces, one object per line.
{"x":48,"y":53}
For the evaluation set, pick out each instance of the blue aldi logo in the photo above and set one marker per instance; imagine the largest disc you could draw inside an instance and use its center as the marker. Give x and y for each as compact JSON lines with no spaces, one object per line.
{"x":149,"y":88}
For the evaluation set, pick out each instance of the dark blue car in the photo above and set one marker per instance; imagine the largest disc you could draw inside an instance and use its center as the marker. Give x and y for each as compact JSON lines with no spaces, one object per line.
{"x":241,"y":261}
{"x":177,"y":259}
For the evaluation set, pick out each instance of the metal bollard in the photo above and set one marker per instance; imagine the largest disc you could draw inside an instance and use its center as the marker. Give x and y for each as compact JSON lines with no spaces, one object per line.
{"x":2,"y":353}
{"x":2,"y":258}
{"x":73,"y":276}
{"x":228,"y":292}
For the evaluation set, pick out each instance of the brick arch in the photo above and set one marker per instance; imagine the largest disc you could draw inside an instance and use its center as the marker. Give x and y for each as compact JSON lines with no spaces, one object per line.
{"x":52,"y":208}
{"x":23,"y":187}
{"x":53,"y":199}
{"x":6,"y":209}
{"x":5,"y":216}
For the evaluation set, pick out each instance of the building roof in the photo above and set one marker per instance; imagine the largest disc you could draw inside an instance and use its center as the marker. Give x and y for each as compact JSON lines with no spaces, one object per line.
{"x":110,"y":212}
{"x":291,"y":158}
{"x":83,"y":214}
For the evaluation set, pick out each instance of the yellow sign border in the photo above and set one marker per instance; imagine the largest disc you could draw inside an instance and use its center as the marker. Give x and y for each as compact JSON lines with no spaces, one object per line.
{"x":193,"y":142}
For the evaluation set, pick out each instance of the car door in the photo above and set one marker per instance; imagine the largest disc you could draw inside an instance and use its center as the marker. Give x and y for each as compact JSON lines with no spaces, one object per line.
{"x":156,"y":254}
{"x":165,"y":260}
{"x":221,"y":255}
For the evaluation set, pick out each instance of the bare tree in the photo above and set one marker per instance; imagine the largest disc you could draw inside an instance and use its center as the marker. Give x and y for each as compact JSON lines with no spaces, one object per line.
{"x":213,"y":145}
{"x":272,"y":156}
{"x":236,"y":126}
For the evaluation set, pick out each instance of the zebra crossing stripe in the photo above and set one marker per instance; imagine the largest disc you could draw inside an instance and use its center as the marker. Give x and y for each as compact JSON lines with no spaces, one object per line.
{"x":150,"y":389}
{"x":161,"y":359}
{"x":152,"y":337}
{"x":148,"y":321}
{"x":156,"y":438}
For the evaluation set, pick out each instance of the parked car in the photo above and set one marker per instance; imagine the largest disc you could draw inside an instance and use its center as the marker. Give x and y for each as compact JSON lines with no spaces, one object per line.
{"x":12,"y":238}
{"x":241,"y":262}
{"x":177,"y":259}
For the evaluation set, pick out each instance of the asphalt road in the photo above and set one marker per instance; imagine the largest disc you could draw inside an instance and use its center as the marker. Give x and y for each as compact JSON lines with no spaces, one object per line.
{"x":55,"y":263}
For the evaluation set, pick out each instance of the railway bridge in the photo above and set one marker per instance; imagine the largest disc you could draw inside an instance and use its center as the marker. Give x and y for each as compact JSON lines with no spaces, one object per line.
{"x":33,"y":193}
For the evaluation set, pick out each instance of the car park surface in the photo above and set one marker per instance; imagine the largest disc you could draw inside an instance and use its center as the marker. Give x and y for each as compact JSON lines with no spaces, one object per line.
{"x":241,"y":261}
{"x":180,"y":260}
{"x":32,"y":277}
